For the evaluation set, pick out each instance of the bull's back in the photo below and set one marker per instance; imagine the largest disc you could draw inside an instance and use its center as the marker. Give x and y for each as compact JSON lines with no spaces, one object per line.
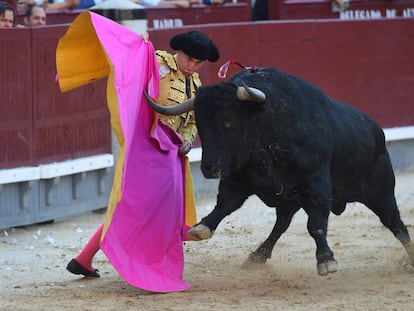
{"x":360,"y":163}
{"x":357,"y":141}
{"x":352,"y":132}
{"x":352,"y":139}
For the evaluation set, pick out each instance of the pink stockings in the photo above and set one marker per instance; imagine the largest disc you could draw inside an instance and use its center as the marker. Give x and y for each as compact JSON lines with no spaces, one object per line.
{"x":85,"y":257}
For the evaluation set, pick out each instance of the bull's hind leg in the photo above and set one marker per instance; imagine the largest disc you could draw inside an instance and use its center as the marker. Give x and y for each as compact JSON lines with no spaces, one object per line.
{"x":382,"y":202}
{"x":388,"y":213}
{"x":264,"y":251}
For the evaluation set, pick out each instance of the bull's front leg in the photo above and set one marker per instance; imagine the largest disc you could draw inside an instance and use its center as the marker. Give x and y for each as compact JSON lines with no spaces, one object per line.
{"x":318,"y":212}
{"x":231,"y":196}
{"x":264,"y":252}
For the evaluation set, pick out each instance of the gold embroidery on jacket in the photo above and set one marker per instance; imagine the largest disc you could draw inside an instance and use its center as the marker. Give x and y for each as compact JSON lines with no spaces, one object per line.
{"x":177,"y":91}
{"x":172,"y":92}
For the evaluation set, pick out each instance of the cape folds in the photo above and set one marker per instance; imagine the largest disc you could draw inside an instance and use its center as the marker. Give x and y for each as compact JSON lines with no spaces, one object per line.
{"x":151,"y":206}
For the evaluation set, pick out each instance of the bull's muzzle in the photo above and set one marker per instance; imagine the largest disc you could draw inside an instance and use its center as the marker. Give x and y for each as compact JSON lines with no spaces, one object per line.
{"x":211,"y":171}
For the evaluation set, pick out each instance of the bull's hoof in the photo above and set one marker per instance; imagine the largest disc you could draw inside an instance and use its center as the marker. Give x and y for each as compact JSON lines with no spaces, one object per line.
{"x":199,"y":232}
{"x":254,"y":262}
{"x":253,"y":265}
{"x":409,"y":247}
{"x":255,"y":257}
{"x":329,"y":266}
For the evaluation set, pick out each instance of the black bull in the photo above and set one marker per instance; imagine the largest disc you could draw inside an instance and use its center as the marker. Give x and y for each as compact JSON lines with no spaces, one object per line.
{"x":281,"y":138}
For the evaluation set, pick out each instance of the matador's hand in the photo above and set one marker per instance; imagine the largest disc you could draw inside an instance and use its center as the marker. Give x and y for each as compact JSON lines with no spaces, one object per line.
{"x":184,"y":148}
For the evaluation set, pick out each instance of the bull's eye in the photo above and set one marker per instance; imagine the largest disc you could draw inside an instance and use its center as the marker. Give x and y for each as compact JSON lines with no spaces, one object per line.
{"x":230,"y":122}
{"x":228,"y":125}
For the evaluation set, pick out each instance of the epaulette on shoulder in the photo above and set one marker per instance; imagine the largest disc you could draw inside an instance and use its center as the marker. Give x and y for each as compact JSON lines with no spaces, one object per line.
{"x":163,"y":57}
{"x":196,"y":80}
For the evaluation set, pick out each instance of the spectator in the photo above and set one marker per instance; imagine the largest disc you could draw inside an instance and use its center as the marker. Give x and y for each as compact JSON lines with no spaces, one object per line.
{"x":23,"y":5}
{"x":71,"y":4}
{"x":339,"y":5}
{"x":260,"y":11}
{"x":207,"y":1}
{"x":35,"y":16}
{"x":178,"y":3}
{"x":7,"y":15}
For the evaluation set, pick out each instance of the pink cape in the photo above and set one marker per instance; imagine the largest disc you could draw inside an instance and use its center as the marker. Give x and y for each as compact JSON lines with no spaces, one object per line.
{"x":145,"y":227}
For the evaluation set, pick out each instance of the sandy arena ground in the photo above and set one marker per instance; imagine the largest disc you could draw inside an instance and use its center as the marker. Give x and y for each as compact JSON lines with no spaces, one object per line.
{"x":374,"y":273}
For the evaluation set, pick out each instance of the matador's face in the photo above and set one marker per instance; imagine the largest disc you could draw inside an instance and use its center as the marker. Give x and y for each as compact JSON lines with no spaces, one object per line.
{"x":187,"y":64}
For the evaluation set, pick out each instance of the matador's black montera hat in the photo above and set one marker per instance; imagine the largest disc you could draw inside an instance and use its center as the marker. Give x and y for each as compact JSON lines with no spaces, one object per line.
{"x":196,"y":45}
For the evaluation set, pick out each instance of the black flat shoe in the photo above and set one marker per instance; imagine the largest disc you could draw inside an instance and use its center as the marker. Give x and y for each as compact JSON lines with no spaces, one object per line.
{"x":76,"y":268}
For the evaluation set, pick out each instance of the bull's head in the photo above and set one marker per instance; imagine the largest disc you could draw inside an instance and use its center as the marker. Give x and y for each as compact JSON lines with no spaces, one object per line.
{"x":244,"y":93}
{"x":215,"y":128}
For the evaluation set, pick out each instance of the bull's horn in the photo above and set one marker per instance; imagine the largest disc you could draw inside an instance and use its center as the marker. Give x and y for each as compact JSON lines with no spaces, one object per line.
{"x":245,"y":93}
{"x":185,"y":106}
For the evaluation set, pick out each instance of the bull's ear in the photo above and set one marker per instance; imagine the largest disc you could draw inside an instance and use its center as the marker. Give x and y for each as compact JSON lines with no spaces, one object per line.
{"x":246,"y":93}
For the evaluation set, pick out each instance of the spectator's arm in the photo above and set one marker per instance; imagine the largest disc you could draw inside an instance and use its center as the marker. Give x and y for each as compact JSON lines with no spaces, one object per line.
{"x":69,"y":4}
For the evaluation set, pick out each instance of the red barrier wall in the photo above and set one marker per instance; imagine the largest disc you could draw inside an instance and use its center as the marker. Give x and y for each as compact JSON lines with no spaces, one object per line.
{"x":172,"y":16}
{"x":364,"y":63}
{"x":167,"y":17}
{"x":38,"y":123}
{"x":16,"y":113}
{"x":368,"y":64}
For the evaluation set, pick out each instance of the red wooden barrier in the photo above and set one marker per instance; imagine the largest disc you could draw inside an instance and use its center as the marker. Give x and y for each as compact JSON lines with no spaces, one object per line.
{"x":363,"y":63}
{"x":38,"y":123}
{"x":67,"y":125}
{"x":168,"y":17}
{"x":16,"y":122}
